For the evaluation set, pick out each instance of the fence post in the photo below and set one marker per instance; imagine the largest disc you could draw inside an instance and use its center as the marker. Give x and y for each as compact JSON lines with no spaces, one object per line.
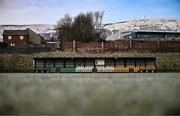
{"x":130,"y":44}
{"x":158,"y":45}
{"x":102,"y":46}
{"x":74,"y":46}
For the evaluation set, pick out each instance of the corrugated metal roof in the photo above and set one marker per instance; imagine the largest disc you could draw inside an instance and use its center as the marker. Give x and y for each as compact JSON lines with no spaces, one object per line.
{"x":91,"y":57}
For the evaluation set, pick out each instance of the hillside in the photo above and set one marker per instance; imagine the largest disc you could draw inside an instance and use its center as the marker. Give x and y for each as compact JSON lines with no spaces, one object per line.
{"x":133,"y":25}
{"x":145,"y":25}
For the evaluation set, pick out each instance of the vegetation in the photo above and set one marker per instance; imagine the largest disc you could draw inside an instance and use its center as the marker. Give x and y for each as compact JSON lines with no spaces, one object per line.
{"x":15,"y":63}
{"x":80,"y":28}
{"x":166,"y":62}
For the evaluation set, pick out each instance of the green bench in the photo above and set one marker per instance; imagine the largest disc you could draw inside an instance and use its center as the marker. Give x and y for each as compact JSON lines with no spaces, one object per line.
{"x":67,"y":69}
{"x":44,"y":70}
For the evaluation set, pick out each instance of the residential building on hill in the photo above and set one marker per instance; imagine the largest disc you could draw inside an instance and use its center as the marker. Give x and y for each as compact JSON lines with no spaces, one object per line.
{"x":22,"y":37}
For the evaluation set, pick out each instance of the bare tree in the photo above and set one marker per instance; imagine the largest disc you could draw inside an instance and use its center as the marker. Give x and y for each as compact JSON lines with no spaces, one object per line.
{"x":101,"y":17}
{"x":63,"y":27}
{"x":98,"y":16}
{"x":81,"y":28}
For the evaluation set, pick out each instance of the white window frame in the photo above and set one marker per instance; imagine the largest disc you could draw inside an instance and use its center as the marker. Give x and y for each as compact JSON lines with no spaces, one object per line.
{"x":9,"y":37}
{"x":21,"y":37}
{"x":12,"y":44}
{"x":99,"y":62}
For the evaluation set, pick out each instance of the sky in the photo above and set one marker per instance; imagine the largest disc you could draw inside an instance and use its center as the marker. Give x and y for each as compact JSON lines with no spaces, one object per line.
{"x":49,"y":11}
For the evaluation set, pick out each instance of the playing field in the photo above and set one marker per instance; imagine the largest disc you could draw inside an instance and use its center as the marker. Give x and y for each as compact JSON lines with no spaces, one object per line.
{"x":90,"y":93}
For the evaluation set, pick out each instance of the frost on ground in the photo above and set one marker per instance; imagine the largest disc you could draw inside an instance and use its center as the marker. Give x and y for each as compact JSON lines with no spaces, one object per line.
{"x":133,"y":93}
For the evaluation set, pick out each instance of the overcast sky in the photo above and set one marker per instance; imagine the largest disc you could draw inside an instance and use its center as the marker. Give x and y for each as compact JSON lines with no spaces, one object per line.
{"x":49,"y":11}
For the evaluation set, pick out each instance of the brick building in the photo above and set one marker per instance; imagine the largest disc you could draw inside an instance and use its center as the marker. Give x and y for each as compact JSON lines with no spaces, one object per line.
{"x":22,"y":37}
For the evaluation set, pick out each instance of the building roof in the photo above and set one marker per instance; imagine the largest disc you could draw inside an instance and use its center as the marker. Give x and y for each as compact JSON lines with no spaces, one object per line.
{"x":16,"y":32}
{"x":92,"y":57}
{"x":161,"y":32}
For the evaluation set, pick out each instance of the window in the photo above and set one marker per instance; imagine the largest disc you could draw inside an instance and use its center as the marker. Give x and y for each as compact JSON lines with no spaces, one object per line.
{"x":9,"y":37}
{"x":12,"y":44}
{"x":21,"y":37}
{"x":100,"y":62}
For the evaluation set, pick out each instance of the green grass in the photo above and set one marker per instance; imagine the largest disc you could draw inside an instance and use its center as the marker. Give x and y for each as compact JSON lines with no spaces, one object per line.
{"x":132,"y":93}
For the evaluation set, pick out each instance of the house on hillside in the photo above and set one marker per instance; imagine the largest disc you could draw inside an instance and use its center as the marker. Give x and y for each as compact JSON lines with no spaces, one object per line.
{"x":25,"y":37}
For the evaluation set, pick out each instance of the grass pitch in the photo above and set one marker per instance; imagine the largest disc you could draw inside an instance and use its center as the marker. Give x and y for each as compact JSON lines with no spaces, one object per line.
{"x":90,"y":93}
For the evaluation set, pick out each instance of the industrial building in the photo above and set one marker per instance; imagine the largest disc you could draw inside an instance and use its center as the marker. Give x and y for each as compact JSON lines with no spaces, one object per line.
{"x":145,"y":35}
